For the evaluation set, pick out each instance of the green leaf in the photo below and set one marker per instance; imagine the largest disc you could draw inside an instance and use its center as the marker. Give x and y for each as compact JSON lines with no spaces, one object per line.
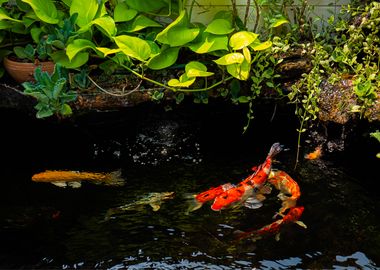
{"x":210,"y":43}
{"x":183,"y":81}
{"x":247,"y":54}
{"x":244,"y":99}
{"x":122,"y":13}
{"x":45,"y":10}
{"x":179,"y":36}
{"x":197,"y":69}
{"x":86,"y":10}
{"x":363,"y":89}
{"x":240,"y":71}
{"x":107,"y":24}
{"x":141,"y":22}
{"x":78,"y":45}
{"x":58,"y":87}
{"x":5,"y":16}
{"x":220,"y":27}
{"x":65,"y":110}
{"x":376,"y":135}
{"x":230,"y":58}
{"x":242,"y":39}
{"x":133,"y":47}
{"x":147,"y":6}
{"x":261,"y":46}
{"x":61,"y":58}
{"x":164,"y":59}
{"x":181,"y":20}
{"x":46,"y":112}
{"x":278,"y":22}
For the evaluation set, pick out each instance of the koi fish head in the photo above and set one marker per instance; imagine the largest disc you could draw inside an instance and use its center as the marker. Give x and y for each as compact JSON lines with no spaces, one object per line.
{"x":275,"y":149}
{"x":294,"y":214}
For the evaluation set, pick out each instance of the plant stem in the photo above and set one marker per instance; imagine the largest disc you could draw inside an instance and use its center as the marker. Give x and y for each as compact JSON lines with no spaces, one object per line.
{"x":234,"y":11}
{"x":172,"y":88}
{"x":247,"y":12}
{"x":257,"y":15}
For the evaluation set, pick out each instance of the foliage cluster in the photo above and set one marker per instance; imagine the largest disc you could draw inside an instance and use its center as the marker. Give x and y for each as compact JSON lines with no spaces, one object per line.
{"x":349,"y":49}
{"x":138,"y":36}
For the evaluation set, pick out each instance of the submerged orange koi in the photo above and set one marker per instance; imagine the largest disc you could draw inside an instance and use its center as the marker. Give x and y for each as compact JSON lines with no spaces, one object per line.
{"x":247,"y":187}
{"x":74,"y":178}
{"x":292,"y":216}
{"x":289,"y":189}
{"x":317,"y":153}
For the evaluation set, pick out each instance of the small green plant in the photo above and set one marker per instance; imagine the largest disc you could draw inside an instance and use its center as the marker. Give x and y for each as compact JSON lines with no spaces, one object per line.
{"x":32,"y":53}
{"x":51,"y":92}
{"x":376,"y":135}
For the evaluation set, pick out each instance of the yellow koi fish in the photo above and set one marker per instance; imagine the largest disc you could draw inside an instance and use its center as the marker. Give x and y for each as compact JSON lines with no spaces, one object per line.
{"x":74,"y":178}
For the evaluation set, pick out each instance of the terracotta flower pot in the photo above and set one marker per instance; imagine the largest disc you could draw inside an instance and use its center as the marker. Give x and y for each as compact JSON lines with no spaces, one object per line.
{"x":23,"y":72}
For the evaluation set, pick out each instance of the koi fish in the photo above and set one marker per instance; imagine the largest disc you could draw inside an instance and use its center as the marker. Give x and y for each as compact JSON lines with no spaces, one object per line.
{"x":258,"y":178}
{"x":154,"y":200}
{"x":249,"y":186}
{"x":230,"y":197}
{"x":317,"y":153}
{"x":208,"y":195}
{"x":274,"y":228}
{"x":74,"y":178}
{"x":289,"y":189}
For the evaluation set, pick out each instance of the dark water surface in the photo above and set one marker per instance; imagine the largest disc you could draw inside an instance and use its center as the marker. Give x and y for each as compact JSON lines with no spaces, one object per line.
{"x":43,"y":226}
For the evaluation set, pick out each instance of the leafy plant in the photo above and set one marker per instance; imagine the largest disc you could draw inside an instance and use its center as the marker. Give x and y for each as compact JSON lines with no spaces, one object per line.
{"x":51,"y":92}
{"x":376,"y":135}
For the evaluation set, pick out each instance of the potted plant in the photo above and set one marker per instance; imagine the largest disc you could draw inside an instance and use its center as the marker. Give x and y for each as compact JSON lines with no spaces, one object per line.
{"x":21,"y":65}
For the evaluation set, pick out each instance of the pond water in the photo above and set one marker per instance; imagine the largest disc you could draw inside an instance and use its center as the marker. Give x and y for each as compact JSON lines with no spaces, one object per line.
{"x":43,"y":226}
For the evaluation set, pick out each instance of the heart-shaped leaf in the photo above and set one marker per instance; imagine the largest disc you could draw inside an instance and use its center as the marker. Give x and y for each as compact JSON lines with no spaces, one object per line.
{"x":261,"y":46}
{"x":240,"y":71}
{"x":197,"y":69}
{"x":164,"y":59}
{"x":133,"y":46}
{"x":210,"y":43}
{"x":86,"y":9}
{"x":122,"y":13}
{"x":219,"y":27}
{"x":45,"y":10}
{"x":231,"y":58}
{"x":183,"y":81}
{"x":242,"y":39}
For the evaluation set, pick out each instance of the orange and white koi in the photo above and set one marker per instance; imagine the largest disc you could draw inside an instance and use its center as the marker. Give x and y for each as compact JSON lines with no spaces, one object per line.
{"x":317,"y":153}
{"x":230,"y":197}
{"x":74,"y":178}
{"x":249,"y":186}
{"x":289,"y":189}
{"x":292,"y":216}
{"x":258,"y":178}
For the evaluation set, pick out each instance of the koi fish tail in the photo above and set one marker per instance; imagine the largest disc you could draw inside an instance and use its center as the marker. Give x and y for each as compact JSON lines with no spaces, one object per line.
{"x":241,"y":235}
{"x":114,"y":179}
{"x":275,"y":149}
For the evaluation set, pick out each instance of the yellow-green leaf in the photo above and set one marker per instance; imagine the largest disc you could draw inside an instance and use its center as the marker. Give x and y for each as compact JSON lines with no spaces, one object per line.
{"x":261,"y":46}
{"x":242,"y":39}
{"x":231,"y":58}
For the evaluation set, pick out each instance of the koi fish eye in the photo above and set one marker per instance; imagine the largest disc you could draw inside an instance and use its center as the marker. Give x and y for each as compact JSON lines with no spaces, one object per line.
{"x":225,"y":197}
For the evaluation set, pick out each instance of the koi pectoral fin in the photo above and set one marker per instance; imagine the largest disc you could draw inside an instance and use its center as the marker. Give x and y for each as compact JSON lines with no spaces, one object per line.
{"x":59,"y":184}
{"x":300,"y":223}
{"x":253,"y":203}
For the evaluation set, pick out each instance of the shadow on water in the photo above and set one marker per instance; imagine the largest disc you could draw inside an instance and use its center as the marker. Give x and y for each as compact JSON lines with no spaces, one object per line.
{"x":185,"y":151}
